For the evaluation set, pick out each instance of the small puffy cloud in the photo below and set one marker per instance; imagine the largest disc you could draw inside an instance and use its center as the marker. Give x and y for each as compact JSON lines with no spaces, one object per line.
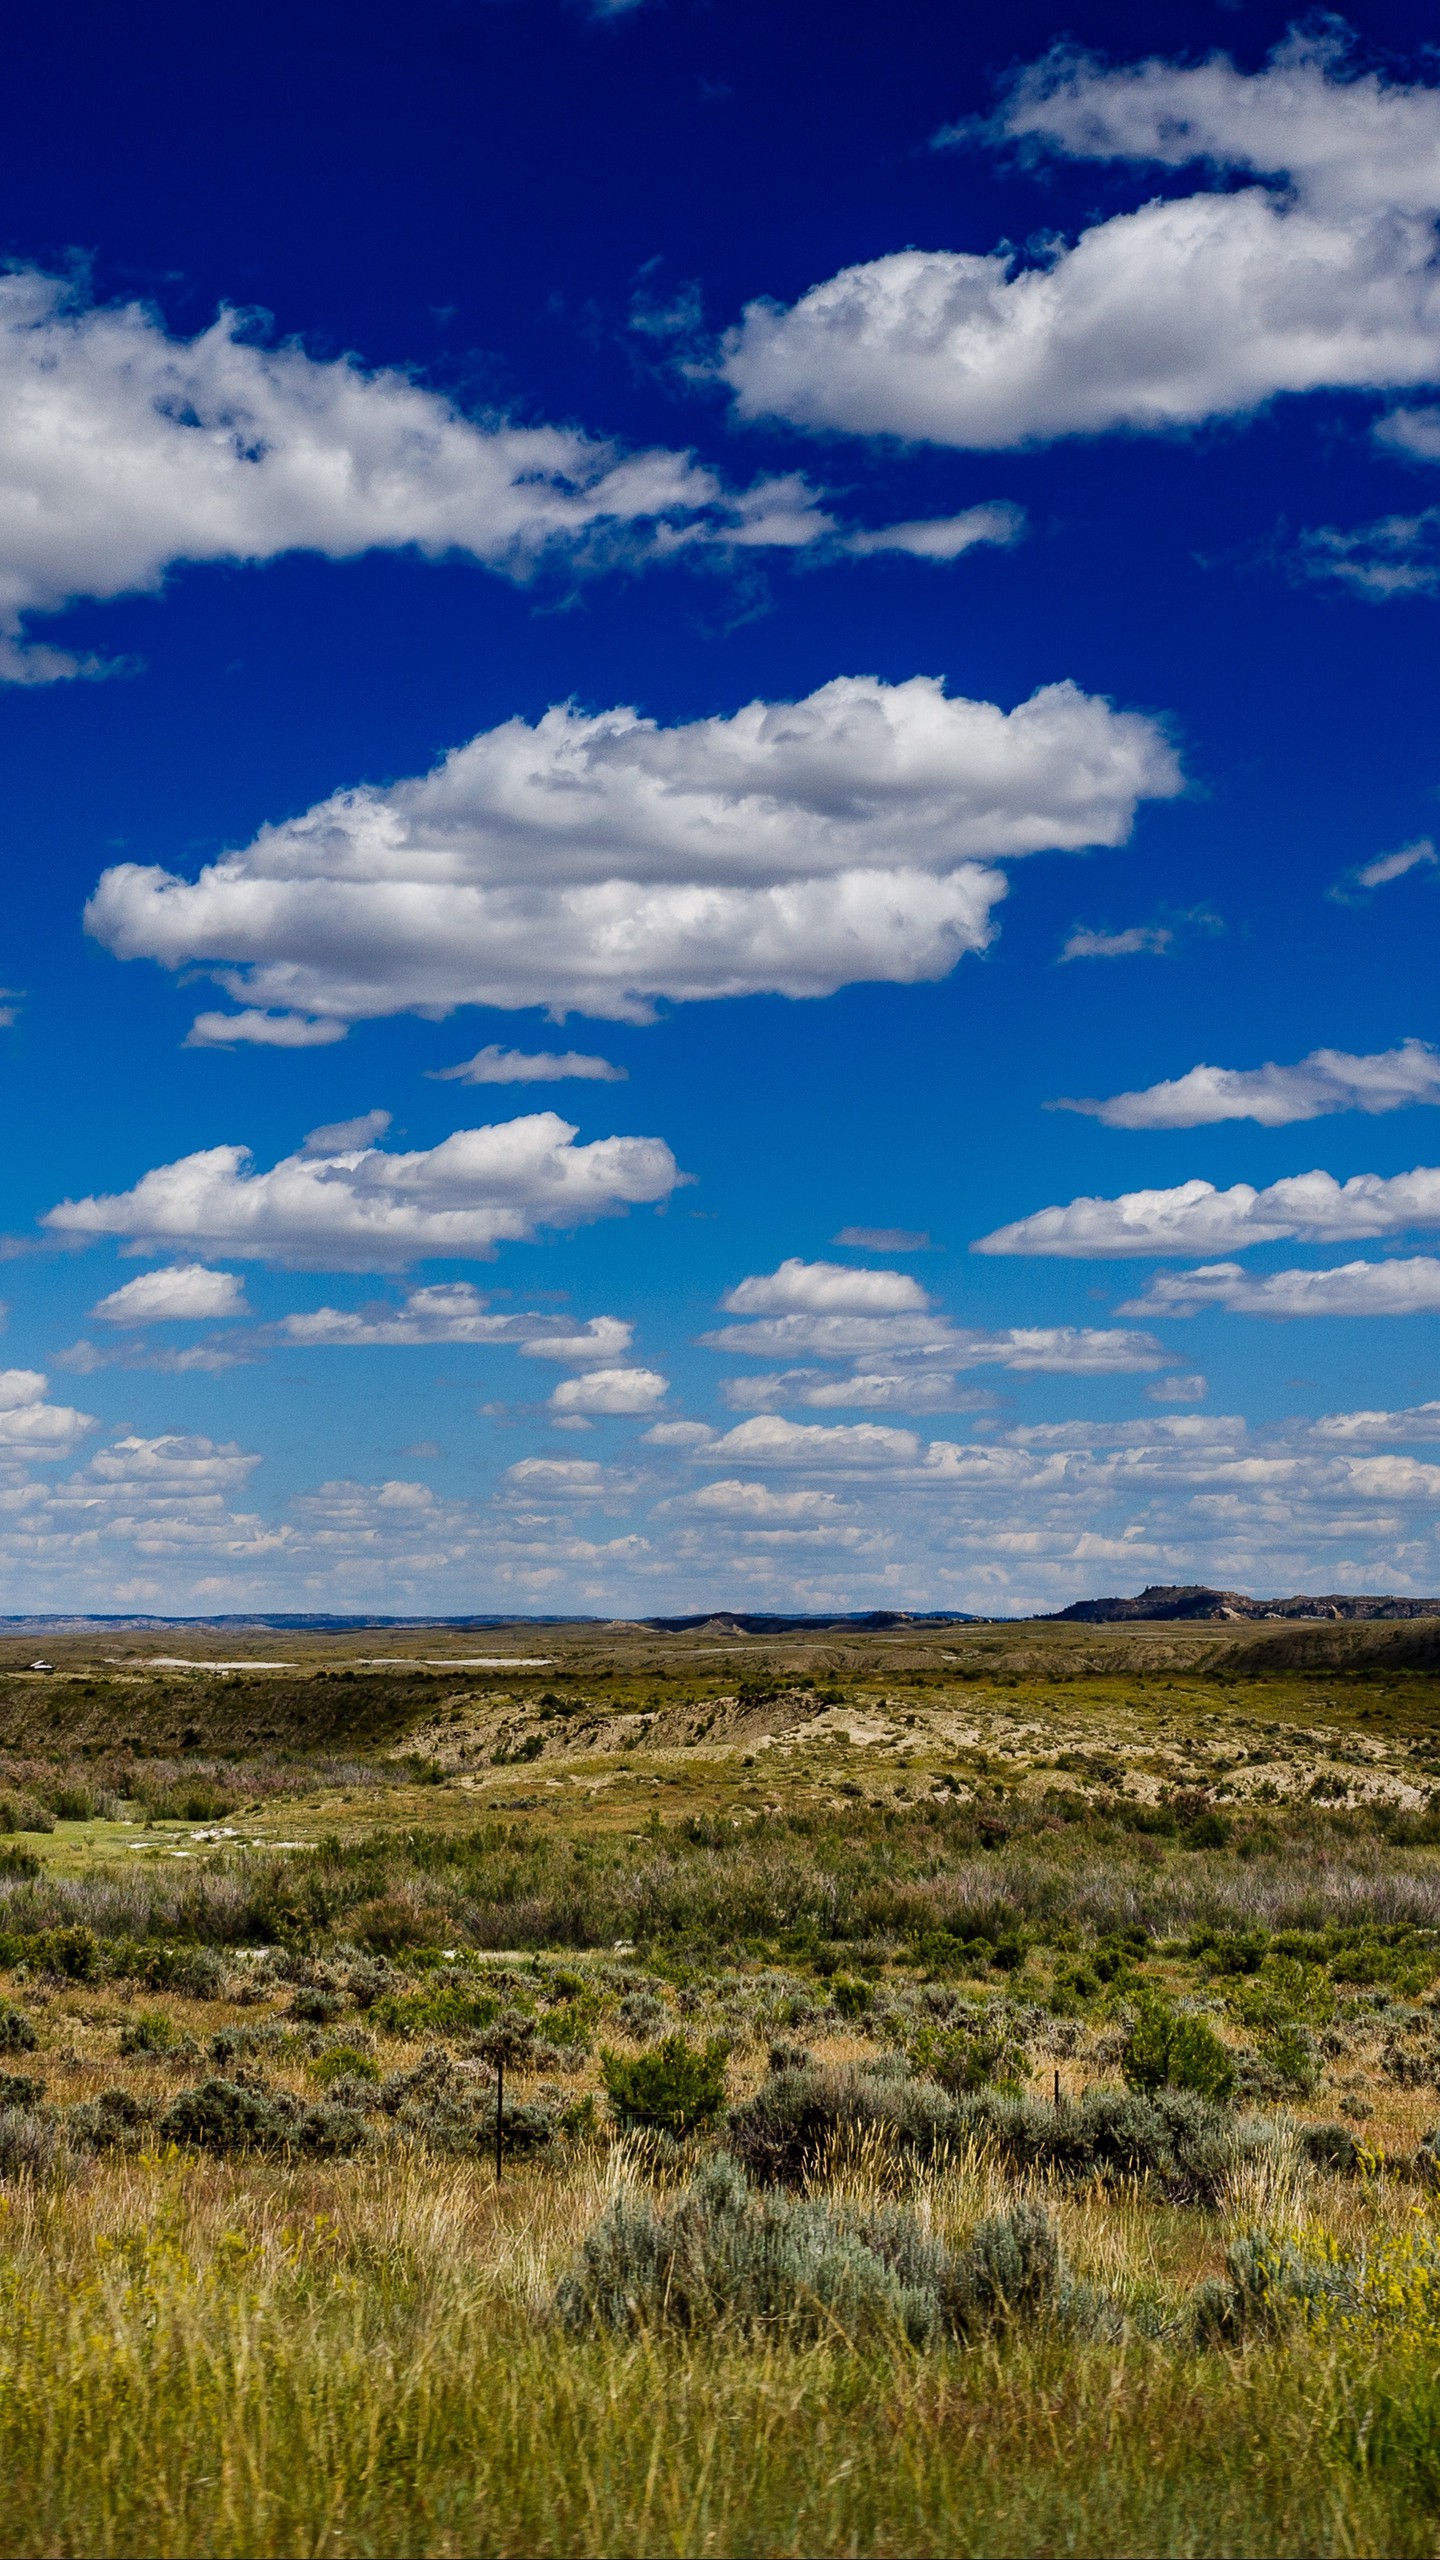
{"x":454,"y":1311}
{"x":1328,"y":1080}
{"x":364,"y":1210}
{"x":943,"y":537}
{"x":885,"y":1239}
{"x":124,"y":450}
{"x":338,"y":1137}
{"x":1317,"y":274}
{"x":183,"y":1291}
{"x":1402,"y":1288}
{"x":679,"y":1435}
{"x":494,"y":1065}
{"x":1192,"y":1389}
{"x":1194,"y":1217}
{"x":611,"y":1391}
{"x":31,"y":1428}
{"x":1395,"y":556}
{"x":768,"y":1441}
{"x":571,"y":1477}
{"x":1415,"y":432}
{"x":1085,"y":942}
{"x":1386,"y":867}
{"x":258,"y":1030}
{"x":181,"y":1468}
{"x":825,"y":1288}
{"x":598,"y":862}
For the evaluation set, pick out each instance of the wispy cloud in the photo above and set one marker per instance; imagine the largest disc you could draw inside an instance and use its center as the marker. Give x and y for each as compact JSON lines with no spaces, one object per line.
{"x":496,"y":1065}
{"x":1378,"y":874}
{"x":1401,"y":1288}
{"x":1328,"y":1080}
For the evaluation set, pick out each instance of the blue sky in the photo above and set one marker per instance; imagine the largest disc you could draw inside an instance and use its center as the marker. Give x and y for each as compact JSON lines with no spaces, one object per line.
{"x":861,"y":581}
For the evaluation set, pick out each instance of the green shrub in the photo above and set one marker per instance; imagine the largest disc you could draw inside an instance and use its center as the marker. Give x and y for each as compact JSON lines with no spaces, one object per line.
{"x":442,"y":2008}
{"x":22,"y":1813}
{"x":850,"y":1997}
{"x":1164,"y":2050}
{"x":17,"y":2035}
{"x":18,"y":1866}
{"x":315,"y":2007}
{"x":969,"y":2056}
{"x":343,"y":2062}
{"x":116,"y":2120}
{"x":1330,"y":2146}
{"x":227,"y":2116}
{"x":677,"y":2088}
{"x":20,"y":2089}
{"x":75,"y":1954}
{"x":149,"y":2031}
{"x":73,"y":1804}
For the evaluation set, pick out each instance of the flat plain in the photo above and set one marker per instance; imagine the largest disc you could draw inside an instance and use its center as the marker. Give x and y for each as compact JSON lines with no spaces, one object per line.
{"x":965,"y":2090}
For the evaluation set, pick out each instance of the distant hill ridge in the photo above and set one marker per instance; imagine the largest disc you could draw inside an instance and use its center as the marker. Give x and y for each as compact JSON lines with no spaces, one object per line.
{"x":1160,"y":1600}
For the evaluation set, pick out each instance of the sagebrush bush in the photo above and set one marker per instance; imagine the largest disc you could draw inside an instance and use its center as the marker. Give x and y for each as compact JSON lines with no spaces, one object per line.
{"x":720,"y":2251}
{"x":31,"y":2145}
{"x":228,"y":2116}
{"x":798,"y":2121}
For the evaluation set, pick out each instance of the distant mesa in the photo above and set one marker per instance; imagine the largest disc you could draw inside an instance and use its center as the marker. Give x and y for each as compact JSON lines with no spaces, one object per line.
{"x":1161,"y":1600}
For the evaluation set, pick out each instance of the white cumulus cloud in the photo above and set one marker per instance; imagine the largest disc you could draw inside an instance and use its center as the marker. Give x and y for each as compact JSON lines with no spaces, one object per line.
{"x":611,"y":1391}
{"x":184,"y":1290}
{"x":596,"y":862}
{"x":865,"y":1390}
{"x":454,"y":1311}
{"x":257,"y":1030}
{"x":1195,"y":1217}
{"x":824,"y":1289}
{"x":1328,"y":1080}
{"x":364,"y":1210}
{"x":768,"y":1441}
{"x":1402,"y":1288}
{"x":731,"y":1498}
{"x":1320,"y":274}
{"x":31,"y":1428}
{"x":1412,"y":1422}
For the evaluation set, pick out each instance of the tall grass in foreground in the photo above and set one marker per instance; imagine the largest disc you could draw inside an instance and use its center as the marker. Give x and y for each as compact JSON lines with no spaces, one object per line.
{"x":249,"y":2360}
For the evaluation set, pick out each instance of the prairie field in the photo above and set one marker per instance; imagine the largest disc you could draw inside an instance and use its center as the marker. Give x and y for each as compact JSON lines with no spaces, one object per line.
{"x":957,"y":2091}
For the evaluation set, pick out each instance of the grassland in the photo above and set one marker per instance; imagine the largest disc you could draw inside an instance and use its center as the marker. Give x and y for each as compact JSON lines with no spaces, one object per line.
{"x":1130,"y":1941}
